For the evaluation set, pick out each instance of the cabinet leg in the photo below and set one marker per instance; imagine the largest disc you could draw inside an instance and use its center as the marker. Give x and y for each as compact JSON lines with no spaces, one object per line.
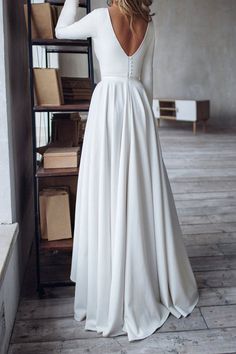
{"x":194,"y":127}
{"x":204,"y":126}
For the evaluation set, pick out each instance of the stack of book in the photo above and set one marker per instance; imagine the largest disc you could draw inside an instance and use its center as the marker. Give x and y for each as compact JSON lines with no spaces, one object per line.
{"x":67,"y":131}
{"x":76,"y":89}
{"x":61,"y":157}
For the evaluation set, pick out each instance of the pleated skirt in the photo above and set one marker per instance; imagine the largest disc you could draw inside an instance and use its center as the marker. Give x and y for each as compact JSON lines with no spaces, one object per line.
{"x":129,"y":262}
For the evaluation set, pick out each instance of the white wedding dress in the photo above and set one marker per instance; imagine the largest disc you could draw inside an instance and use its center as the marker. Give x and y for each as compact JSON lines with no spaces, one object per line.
{"x":129,"y":260}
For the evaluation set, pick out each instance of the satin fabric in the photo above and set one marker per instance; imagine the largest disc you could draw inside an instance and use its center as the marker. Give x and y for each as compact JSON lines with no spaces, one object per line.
{"x":129,"y":260}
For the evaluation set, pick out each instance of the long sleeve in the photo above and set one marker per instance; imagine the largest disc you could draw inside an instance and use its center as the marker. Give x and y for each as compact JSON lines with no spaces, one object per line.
{"x":69,"y":27}
{"x":147,"y":70}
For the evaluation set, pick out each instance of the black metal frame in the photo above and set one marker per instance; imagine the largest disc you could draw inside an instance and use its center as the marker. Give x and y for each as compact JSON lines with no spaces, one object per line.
{"x":51,"y":46}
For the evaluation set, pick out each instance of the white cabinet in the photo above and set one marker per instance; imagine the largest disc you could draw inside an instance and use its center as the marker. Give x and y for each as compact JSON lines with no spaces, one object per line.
{"x":186,"y":110}
{"x":182,"y":110}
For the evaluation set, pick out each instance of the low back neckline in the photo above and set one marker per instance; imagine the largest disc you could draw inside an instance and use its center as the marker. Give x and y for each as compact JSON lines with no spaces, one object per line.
{"x":117,"y":40}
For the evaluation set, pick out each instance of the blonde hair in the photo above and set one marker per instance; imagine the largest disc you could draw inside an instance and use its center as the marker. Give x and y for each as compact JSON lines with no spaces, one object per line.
{"x":133,"y":8}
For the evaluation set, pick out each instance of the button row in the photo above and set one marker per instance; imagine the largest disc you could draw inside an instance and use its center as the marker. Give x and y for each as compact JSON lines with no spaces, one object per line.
{"x":130,"y":66}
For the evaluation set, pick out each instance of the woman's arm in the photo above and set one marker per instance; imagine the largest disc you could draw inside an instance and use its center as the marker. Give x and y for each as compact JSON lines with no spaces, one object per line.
{"x":69,"y":28}
{"x":147,"y":70}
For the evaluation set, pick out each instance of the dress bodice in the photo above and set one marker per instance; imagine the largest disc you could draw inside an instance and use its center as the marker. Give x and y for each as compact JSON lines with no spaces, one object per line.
{"x":112,"y":58}
{"x":113,"y":61}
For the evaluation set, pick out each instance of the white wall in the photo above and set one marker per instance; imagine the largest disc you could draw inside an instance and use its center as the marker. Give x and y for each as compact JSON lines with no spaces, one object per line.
{"x":16,"y":168}
{"x":9,"y":282}
{"x":6,"y":210}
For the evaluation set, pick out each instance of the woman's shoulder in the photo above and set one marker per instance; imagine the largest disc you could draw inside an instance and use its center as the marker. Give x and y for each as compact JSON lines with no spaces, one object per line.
{"x":99,"y":13}
{"x":99,"y":10}
{"x":96,"y":15}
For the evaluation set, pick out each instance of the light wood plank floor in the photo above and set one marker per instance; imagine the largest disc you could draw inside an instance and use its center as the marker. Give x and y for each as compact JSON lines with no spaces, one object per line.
{"x":202,"y":172}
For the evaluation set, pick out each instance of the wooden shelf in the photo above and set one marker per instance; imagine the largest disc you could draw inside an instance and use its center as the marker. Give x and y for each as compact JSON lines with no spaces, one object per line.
{"x":83,"y":107}
{"x":56,"y":172}
{"x":44,"y":178}
{"x":57,"y":244}
{"x":66,"y":50}
{"x":177,"y":99}
{"x":167,"y":109}
{"x":55,"y":45}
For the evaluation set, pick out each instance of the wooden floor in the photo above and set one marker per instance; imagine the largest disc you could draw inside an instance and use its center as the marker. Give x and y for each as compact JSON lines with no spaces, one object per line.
{"x":202,"y":172}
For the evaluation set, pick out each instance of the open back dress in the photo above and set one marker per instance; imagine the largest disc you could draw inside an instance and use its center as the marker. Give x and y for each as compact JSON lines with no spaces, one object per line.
{"x":129,"y":260}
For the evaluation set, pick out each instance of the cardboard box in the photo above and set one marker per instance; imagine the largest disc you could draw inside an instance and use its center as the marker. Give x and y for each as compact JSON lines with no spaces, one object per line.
{"x":61,"y":157}
{"x":58,"y":216}
{"x":41,"y":149}
{"x":47,"y":87}
{"x":66,"y":129}
{"x":55,"y":220}
{"x":42,"y":20}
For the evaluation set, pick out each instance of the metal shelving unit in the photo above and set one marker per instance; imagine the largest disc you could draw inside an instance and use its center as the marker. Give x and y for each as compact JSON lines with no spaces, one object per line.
{"x":40,"y":174}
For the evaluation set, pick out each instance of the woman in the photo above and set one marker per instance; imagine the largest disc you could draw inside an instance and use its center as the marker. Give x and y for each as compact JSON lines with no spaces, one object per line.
{"x":129,"y":260}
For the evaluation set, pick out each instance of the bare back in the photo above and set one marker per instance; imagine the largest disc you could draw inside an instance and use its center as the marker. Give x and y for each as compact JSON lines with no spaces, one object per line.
{"x":128,"y":40}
